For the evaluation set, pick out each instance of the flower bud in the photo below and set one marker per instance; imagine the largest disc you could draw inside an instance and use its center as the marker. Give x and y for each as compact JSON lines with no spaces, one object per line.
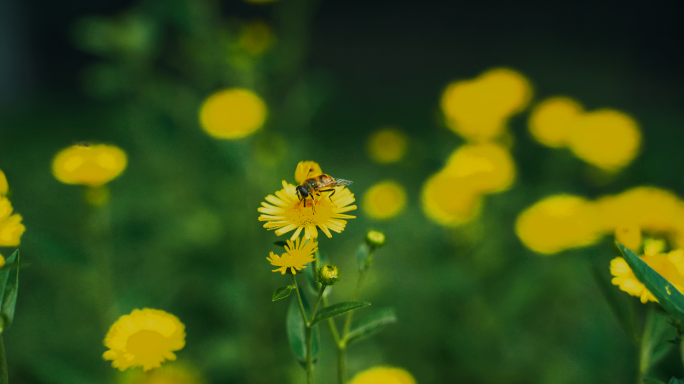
{"x":375,"y":239}
{"x":328,"y":274}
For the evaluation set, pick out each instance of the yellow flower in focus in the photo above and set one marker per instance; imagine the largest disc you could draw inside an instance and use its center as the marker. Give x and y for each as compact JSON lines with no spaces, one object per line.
{"x":630,"y":237}
{"x":232,"y":113}
{"x":557,"y":223}
{"x":383,"y":375}
{"x":551,"y":122}
{"x":296,"y":256}
{"x":91,"y":165}
{"x":384,"y":200}
{"x":479,"y":109}
{"x":670,"y":266}
{"x":171,"y":373}
{"x":4,"y":187}
{"x":484,"y":167}
{"x":387,"y":145}
{"x":447,"y":201}
{"x":606,"y":138}
{"x":256,"y":37}
{"x":286,"y":213}
{"x":145,"y":338}
{"x":653,"y":210}
{"x":11,"y":227}
{"x":307,"y":169}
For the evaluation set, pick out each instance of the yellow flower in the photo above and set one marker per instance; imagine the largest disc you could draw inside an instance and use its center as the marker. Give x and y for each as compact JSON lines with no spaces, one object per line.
{"x":479,"y":109}
{"x":4,"y":187}
{"x":256,"y":37}
{"x":307,"y":169}
{"x":145,"y":338}
{"x":92,"y":165}
{"x":172,"y":373}
{"x":232,"y":113}
{"x":447,"y":201}
{"x":387,"y":145}
{"x":557,"y":223}
{"x":296,"y":256}
{"x":11,"y":227}
{"x":383,"y":375}
{"x":384,"y":200}
{"x":670,"y":266}
{"x":605,"y":138}
{"x":287,"y":213}
{"x":551,"y":122}
{"x":2,"y":260}
{"x":653,"y":210}
{"x":484,"y":167}
{"x":629,"y":236}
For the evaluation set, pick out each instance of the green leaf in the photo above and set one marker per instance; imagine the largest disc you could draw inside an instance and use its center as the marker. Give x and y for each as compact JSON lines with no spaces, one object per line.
{"x":296,"y":330}
{"x":362,"y":254}
{"x":668,"y":296}
{"x":675,"y":380}
{"x":656,"y":332}
{"x":370,"y":324}
{"x":621,"y":308}
{"x":282,"y":292}
{"x":10,"y":287}
{"x":338,"y":309}
{"x":280,"y":243}
{"x":652,"y":381}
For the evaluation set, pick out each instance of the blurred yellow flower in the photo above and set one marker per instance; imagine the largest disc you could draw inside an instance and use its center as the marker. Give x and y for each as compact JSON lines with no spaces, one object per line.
{"x":630,"y":237}
{"x":653,"y":210}
{"x":307,"y":169}
{"x":387,"y":145}
{"x":670,"y":266}
{"x":479,"y":109}
{"x":11,"y":227}
{"x":287,"y":213}
{"x":2,"y":260}
{"x":557,"y":223}
{"x":256,"y":37}
{"x":145,"y":338}
{"x":296,"y":256}
{"x":232,"y":113}
{"x":483,"y":167}
{"x":384,"y":200}
{"x":551,"y":121}
{"x":89,"y":164}
{"x":383,"y":375}
{"x":171,"y":373}
{"x":447,"y":201}
{"x":605,"y":138}
{"x":4,"y":187}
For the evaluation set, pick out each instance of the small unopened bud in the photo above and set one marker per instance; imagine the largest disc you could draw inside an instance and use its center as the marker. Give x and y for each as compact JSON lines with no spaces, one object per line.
{"x":375,"y":239}
{"x":328,"y":274}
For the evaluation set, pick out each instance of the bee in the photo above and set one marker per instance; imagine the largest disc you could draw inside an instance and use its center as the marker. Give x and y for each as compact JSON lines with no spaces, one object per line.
{"x":317,"y":184}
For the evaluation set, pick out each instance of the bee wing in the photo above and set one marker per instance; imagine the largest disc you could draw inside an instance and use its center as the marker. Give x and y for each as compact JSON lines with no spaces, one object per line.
{"x":342,"y":182}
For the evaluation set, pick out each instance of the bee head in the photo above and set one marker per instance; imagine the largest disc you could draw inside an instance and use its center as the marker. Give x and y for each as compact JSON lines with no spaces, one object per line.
{"x":302,"y":192}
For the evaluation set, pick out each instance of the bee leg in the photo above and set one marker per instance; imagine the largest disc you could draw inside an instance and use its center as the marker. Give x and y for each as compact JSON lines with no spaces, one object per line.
{"x":330,"y":195}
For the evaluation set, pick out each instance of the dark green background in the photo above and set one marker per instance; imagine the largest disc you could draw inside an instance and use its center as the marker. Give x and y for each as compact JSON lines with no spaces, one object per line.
{"x":474,"y":305}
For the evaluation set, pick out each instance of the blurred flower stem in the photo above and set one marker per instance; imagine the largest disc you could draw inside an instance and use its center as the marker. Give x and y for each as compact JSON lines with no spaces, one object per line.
{"x":3,"y":362}
{"x":100,"y":251}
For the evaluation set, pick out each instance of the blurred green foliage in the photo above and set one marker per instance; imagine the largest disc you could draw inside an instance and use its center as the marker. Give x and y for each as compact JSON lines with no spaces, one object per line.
{"x":473,"y":305}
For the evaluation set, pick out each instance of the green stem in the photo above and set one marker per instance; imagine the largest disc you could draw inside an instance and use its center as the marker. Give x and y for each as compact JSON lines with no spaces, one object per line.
{"x":645,"y":346}
{"x":309,"y":358}
{"x":299,"y":301}
{"x":318,"y":300}
{"x":331,"y":323}
{"x":3,"y":362}
{"x":341,"y":364}
{"x":357,"y":290}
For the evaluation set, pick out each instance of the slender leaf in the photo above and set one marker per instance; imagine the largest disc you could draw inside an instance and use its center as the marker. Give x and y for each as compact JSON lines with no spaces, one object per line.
{"x":4,"y":274}
{"x":652,"y":381}
{"x":370,"y":324}
{"x":362,"y":254}
{"x":621,"y":308}
{"x":282,"y":292}
{"x":296,"y":331}
{"x":675,"y":380}
{"x":338,"y":309}
{"x":668,"y":296}
{"x":10,"y":290}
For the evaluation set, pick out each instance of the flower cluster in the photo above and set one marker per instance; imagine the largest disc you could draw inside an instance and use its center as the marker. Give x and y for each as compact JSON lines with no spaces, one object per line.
{"x":559,"y":222}
{"x":285,"y":212}
{"x":606,"y":138}
{"x":11,"y":227}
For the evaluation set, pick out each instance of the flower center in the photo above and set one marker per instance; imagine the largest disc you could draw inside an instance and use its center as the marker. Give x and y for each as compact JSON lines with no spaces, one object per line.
{"x":145,"y":343}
